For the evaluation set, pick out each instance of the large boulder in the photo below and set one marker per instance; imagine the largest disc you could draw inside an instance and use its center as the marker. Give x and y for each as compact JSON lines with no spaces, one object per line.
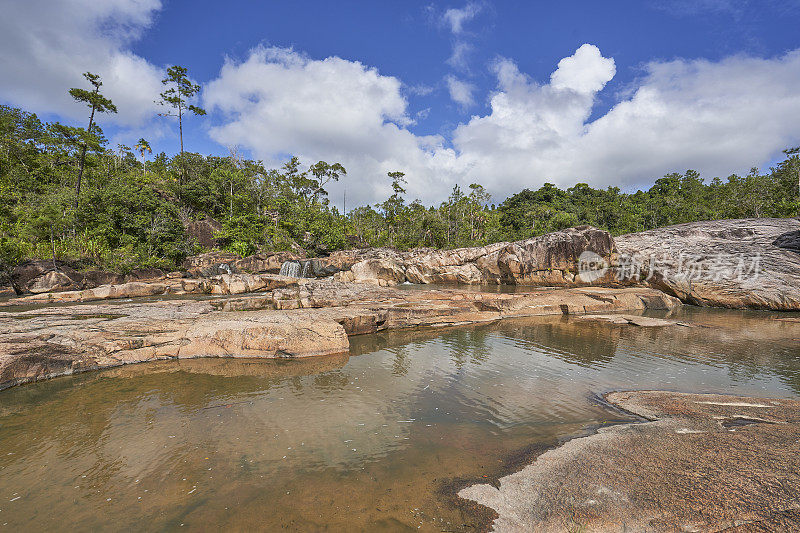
{"x":52,"y":281}
{"x":204,"y":231}
{"x":342,"y":260}
{"x":282,"y":338}
{"x":748,"y":263}
{"x":43,"y":276}
{"x":384,"y":271}
{"x":461,"y":265}
{"x":555,"y":259}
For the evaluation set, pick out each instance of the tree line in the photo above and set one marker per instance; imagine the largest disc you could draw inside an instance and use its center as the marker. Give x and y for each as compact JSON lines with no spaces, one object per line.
{"x":65,"y":194}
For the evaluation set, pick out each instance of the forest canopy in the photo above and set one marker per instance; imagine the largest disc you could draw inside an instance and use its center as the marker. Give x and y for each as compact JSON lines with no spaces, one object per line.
{"x":66,"y":194}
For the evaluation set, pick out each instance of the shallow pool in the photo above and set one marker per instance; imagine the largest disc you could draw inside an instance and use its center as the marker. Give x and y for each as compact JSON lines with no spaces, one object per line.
{"x":379,"y":439}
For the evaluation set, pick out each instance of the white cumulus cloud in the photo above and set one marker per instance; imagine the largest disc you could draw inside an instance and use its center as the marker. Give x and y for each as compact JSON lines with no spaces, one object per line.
{"x":716,"y":117}
{"x":45,"y":46}
{"x":586,"y":71}
{"x":279,"y":102}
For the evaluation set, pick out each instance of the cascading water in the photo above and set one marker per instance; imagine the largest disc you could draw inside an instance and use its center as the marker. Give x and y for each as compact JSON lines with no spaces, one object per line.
{"x":295,"y":269}
{"x":290,"y":269}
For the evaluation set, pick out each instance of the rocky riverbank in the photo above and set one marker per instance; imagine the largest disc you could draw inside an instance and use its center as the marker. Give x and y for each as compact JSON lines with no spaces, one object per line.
{"x":751,"y":263}
{"x":285,"y":318}
{"x":700,"y":462}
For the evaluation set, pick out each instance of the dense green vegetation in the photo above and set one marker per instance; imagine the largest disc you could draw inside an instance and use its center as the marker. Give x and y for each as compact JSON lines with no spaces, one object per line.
{"x":65,"y":194}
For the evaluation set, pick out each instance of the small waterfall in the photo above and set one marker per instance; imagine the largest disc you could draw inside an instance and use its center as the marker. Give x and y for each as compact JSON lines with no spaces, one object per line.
{"x":290,"y":269}
{"x":306,"y":270}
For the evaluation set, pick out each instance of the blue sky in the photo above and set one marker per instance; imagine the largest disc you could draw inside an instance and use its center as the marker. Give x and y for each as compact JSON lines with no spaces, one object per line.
{"x":449,"y":92}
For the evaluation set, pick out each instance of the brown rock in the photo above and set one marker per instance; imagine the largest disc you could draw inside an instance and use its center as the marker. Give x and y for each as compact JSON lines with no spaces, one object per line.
{"x":95,"y":278}
{"x":211,"y":264}
{"x":388,"y":270}
{"x":295,"y":338}
{"x":104,"y":292}
{"x":50,"y":282}
{"x":145,"y":274}
{"x":28,"y":273}
{"x":461,"y":265}
{"x":553,"y":259}
{"x":261,"y":263}
{"x":210,"y":259}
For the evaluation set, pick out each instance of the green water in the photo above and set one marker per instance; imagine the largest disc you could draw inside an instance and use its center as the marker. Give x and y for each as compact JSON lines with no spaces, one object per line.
{"x":375,"y":440}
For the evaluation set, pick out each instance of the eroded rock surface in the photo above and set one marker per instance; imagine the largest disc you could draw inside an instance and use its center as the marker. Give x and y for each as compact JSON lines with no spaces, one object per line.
{"x":256,"y":316}
{"x":730,"y":252}
{"x":701,"y":463}
{"x":551,"y":260}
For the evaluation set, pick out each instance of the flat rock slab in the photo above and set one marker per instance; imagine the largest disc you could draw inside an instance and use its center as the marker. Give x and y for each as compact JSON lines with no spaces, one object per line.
{"x":635,"y":320}
{"x":700,"y":462}
{"x":286,"y":318}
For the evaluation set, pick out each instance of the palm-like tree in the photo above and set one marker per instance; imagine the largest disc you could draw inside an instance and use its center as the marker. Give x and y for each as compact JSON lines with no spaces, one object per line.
{"x":144,"y":147}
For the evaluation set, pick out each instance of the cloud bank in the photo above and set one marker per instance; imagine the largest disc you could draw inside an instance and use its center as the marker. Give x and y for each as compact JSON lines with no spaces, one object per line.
{"x":46,"y":45}
{"x":717,"y":117}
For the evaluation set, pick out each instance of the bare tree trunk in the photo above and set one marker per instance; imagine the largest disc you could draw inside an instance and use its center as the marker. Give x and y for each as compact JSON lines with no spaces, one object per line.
{"x":80,"y":176}
{"x":83,"y":156}
{"x":183,"y":160}
{"x":53,"y":248}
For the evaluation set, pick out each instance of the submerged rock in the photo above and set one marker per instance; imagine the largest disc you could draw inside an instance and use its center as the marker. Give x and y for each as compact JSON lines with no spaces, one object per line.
{"x":635,"y":320}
